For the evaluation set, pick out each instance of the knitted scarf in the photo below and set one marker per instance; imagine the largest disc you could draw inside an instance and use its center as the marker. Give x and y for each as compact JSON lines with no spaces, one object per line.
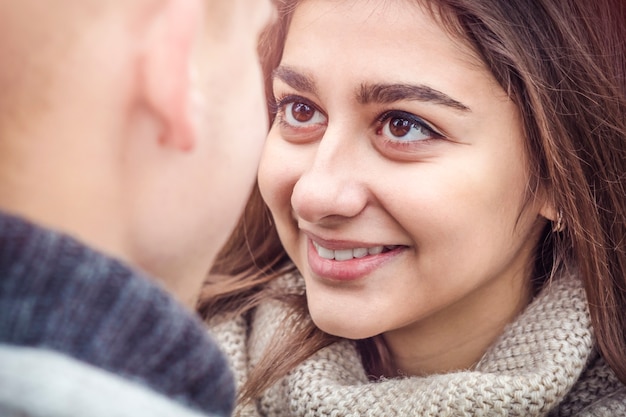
{"x":543,"y":362}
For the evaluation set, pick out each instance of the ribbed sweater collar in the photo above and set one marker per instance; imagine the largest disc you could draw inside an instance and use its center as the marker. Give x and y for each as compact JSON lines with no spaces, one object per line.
{"x":58,"y":294}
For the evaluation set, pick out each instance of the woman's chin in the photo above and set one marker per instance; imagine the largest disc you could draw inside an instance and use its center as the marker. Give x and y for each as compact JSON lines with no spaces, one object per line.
{"x":344,"y":329}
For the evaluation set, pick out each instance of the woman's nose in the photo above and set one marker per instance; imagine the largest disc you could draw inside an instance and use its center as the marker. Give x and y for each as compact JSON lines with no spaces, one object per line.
{"x":331,"y":187}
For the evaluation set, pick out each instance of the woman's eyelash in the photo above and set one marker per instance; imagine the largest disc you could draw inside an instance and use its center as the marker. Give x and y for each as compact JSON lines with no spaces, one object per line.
{"x":274,"y":105}
{"x":383,"y":118}
{"x":279,"y":103}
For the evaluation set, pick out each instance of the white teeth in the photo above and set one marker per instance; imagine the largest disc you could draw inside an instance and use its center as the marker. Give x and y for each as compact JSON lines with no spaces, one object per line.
{"x":343,"y":255}
{"x":375,"y":250}
{"x":325,"y":253}
{"x":347,"y":254}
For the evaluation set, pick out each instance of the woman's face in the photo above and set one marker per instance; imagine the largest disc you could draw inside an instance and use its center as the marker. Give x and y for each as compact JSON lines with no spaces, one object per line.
{"x":396,"y":175}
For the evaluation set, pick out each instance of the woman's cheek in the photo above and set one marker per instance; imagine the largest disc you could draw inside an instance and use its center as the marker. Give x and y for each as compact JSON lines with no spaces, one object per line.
{"x":276,"y":175}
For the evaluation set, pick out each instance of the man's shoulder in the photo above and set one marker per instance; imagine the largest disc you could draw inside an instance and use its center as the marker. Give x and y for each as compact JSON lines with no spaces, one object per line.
{"x":59,"y":295}
{"x":39,"y":382}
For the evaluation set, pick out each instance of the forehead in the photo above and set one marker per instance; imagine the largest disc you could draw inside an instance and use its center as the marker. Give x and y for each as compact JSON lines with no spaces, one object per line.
{"x":365,"y":41}
{"x":398,"y":22}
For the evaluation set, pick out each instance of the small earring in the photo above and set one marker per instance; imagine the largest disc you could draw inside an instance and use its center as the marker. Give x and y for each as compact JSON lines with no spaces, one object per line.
{"x":558,"y":226}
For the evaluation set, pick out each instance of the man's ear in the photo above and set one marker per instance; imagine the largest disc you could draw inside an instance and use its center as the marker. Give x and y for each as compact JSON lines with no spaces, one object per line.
{"x":166,"y":69}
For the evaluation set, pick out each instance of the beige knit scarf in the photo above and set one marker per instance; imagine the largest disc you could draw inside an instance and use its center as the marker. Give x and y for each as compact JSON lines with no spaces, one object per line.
{"x":527,"y":372}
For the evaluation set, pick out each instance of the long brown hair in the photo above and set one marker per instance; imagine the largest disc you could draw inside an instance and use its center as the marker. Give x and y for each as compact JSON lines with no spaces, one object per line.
{"x":563,"y":62}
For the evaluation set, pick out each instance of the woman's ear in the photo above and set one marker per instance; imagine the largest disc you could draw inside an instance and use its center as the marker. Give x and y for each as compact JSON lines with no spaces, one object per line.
{"x":549,"y":211}
{"x":166,"y":69}
{"x":544,"y":197}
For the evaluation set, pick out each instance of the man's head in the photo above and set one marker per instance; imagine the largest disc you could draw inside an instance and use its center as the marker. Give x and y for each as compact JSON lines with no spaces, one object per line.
{"x":136,"y":126}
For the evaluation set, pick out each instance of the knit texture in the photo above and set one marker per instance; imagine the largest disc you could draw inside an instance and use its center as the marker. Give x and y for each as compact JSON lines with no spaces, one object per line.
{"x":544,"y":363}
{"x":57,"y":294}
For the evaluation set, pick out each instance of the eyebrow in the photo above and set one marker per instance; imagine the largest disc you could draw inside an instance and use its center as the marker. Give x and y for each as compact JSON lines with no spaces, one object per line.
{"x":390,"y":93}
{"x":374,"y":93}
{"x":295,"y":79}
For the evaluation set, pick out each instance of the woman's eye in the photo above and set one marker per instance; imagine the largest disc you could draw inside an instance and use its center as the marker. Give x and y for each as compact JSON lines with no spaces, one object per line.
{"x":405,"y":127}
{"x":299,"y":120}
{"x":301,"y":114}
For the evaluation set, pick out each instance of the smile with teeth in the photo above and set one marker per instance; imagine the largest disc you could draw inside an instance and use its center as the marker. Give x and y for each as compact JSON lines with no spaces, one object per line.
{"x":348,"y":254}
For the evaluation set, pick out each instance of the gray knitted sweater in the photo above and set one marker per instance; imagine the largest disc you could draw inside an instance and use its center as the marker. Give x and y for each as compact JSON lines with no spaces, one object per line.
{"x":82,"y":334}
{"x":544,"y":363}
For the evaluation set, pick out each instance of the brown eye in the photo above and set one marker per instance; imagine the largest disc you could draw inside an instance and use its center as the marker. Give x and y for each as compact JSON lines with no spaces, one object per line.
{"x":399,"y":127}
{"x":299,"y":120}
{"x":302,"y":112}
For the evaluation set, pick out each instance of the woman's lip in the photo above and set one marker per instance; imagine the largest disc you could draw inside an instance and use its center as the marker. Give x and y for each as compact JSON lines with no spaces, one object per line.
{"x":336,"y":244}
{"x":347,"y":270}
